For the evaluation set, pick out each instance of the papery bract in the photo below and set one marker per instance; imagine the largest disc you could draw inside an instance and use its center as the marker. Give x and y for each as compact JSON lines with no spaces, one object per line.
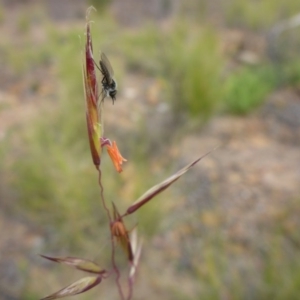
{"x":78,"y":287}
{"x":120,"y":232}
{"x":157,"y":189}
{"x":79,"y":263}
{"x":136,"y":246}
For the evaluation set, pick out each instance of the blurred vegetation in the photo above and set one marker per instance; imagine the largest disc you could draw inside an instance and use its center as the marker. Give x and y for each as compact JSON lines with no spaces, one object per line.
{"x":289,"y":73}
{"x":246,"y":89}
{"x":176,"y":55}
{"x":223,"y":265}
{"x":193,"y":80}
{"x":47,"y":162}
{"x":100,"y":5}
{"x":258,"y":15}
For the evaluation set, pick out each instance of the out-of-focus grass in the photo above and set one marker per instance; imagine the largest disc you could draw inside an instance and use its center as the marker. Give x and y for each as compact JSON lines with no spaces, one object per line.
{"x":258,"y":14}
{"x":289,"y":73}
{"x":248,"y":88}
{"x":141,"y":49}
{"x":193,"y":65}
{"x":24,"y":23}
{"x":189,"y":62}
{"x":218,"y":265}
{"x":2,"y":14}
{"x":100,"y":5}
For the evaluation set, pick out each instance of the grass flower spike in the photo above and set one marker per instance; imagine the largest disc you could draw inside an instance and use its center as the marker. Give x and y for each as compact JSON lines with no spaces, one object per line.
{"x":119,"y":234}
{"x":93,"y":108}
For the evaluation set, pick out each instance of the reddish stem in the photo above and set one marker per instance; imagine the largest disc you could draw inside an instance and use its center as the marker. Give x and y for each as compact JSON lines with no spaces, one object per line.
{"x":130,"y":285}
{"x":102,"y":197}
{"x":115,"y":267}
{"x":117,"y":271}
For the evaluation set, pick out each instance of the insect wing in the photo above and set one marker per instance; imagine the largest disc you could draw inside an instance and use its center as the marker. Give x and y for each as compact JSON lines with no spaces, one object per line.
{"x":106,"y":68}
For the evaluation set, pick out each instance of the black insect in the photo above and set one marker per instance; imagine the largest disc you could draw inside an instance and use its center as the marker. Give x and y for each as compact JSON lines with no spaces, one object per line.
{"x":109,"y":85}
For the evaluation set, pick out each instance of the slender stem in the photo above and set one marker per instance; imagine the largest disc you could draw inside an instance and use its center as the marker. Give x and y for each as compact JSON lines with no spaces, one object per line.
{"x":130,"y":285}
{"x":115,"y":267}
{"x":102,"y":197}
{"x":117,"y":271}
{"x":124,"y":215}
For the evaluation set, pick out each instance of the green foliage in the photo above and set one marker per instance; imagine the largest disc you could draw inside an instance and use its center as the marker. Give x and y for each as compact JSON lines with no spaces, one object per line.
{"x":49,"y":188}
{"x":247,"y":89}
{"x":192,"y":67}
{"x":288,"y":72}
{"x":189,"y":62}
{"x":2,"y":14}
{"x":24,"y":23}
{"x":141,"y":50}
{"x":100,"y":5}
{"x":256,"y":15}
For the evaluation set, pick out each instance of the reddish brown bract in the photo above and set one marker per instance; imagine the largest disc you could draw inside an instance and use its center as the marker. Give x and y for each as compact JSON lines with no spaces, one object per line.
{"x":93,"y":117}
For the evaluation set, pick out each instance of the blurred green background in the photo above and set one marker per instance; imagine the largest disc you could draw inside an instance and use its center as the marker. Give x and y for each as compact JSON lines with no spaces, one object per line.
{"x":191,"y":75}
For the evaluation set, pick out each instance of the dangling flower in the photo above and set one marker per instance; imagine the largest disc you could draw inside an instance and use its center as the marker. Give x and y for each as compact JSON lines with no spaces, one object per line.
{"x":115,"y":156}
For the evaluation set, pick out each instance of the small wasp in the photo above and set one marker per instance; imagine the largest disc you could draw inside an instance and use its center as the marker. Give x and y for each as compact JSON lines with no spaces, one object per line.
{"x":109,"y":85}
